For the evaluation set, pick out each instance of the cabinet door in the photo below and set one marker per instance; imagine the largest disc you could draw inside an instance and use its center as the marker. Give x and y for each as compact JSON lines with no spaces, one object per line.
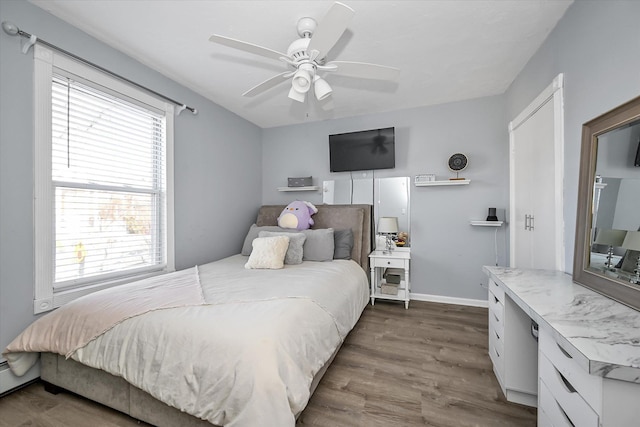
{"x":536,"y":181}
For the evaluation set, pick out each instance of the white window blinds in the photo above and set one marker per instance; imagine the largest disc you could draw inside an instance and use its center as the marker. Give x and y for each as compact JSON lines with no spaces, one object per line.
{"x":109,"y":184}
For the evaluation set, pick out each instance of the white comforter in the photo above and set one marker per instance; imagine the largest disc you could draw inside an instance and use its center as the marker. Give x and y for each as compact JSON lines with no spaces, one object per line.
{"x":249,"y":354}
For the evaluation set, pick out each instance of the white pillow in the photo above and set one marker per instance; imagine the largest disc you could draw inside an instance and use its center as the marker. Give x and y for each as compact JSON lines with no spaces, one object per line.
{"x":268,"y":252}
{"x":296,"y":242}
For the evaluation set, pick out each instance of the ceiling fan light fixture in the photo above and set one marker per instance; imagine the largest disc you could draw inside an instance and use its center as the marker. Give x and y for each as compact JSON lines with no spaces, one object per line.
{"x":321,"y":88}
{"x":295,"y":95}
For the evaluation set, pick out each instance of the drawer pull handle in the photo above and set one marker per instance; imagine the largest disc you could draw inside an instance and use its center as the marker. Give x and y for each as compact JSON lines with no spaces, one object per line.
{"x":496,"y":299}
{"x":564,"y":351}
{"x":497,"y":336}
{"x":567,"y":384}
{"x":496,"y":317}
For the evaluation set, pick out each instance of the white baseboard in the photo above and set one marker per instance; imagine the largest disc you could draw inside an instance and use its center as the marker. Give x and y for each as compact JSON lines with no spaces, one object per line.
{"x":450,"y":300}
{"x":8,"y":381}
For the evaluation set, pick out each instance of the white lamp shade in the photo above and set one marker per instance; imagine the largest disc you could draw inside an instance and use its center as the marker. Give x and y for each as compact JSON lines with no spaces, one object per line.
{"x":388,"y":224}
{"x":301,"y":81}
{"x":321,"y":88}
{"x":296,"y":96}
{"x":632,"y":240}
{"x":610,"y":237}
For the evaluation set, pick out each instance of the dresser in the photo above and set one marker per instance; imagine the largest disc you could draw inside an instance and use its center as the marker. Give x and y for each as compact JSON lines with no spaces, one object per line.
{"x":571,"y":352}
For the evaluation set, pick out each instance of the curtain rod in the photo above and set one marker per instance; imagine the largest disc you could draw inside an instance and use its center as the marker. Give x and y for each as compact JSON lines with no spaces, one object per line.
{"x":13,"y":30}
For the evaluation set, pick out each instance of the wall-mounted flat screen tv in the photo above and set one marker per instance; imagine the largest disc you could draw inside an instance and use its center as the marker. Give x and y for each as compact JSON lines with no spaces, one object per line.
{"x":364,"y":150}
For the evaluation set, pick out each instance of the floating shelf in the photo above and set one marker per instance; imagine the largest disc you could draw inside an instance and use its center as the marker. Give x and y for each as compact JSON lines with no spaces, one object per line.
{"x":487,"y":223}
{"x":447,"y":182}
{"x":309,"y":188}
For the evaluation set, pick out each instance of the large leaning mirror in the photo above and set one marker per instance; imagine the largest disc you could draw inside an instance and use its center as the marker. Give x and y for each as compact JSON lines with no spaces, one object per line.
{"x":607,"y":249}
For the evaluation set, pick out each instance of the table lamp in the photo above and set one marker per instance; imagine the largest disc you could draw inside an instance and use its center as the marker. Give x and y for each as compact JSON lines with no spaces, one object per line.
{"x":611,"y":238}
{"x":632,"y":242}
{"x":388,"y":225}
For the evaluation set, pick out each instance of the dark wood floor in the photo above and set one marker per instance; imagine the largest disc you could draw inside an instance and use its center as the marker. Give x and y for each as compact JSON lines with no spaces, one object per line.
{"x":424,"y":366}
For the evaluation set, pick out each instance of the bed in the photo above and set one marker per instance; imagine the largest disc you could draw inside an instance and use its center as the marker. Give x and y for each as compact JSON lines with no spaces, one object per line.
{"x":250,"y":352}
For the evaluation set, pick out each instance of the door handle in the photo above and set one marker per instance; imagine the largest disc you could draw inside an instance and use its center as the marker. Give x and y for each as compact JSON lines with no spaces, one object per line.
{"x":531,"y":222}
{"x":526,"y":222}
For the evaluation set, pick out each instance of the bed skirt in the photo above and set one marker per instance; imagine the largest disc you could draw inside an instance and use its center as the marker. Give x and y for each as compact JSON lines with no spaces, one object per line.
{"x":116,"y":393}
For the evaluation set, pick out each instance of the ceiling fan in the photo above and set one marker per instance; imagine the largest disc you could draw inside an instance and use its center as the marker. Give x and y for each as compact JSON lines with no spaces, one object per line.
{"x":307,"y":57}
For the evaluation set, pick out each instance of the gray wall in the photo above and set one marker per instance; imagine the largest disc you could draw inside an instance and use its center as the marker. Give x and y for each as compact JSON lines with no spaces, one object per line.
{"x":215,"y":199}
{"x":597,"y":47}
{"x":447,"y":253}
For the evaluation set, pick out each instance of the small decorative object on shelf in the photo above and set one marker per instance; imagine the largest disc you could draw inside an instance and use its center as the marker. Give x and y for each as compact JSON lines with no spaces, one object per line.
{"x":457,"y":163}
{"x":492,"y":215}
{"x":427,"y":177}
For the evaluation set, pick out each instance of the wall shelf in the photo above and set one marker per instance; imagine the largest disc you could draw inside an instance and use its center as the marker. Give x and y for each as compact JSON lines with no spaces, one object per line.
{"x":487,"y":223}
{"x":308,"y":188}
{"x":447,"y":182}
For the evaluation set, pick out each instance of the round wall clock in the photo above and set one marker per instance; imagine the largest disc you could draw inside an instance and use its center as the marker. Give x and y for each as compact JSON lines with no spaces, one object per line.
{"x":458,"y":162}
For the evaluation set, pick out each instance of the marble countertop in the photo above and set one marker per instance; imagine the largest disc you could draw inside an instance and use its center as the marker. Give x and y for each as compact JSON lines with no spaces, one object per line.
{"x":603,"y":335}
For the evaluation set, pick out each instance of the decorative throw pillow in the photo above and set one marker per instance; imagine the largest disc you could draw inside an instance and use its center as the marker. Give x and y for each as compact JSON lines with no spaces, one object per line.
{"x":253,"y":232}
{"x":319,"y":245}
{"x":296,"y":242}
{"x":268,"y":252}
{"x":343,"y":243}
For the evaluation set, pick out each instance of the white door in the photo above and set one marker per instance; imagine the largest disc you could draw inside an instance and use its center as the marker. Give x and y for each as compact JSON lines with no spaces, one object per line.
{"x":536,"y":219}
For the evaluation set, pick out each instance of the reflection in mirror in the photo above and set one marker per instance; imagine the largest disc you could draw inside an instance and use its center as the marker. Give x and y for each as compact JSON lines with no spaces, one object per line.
{"x":389,"y":197}
{"x":616,"y":203}
{"x":608,"y":222}
{"x":348,"y":192}
{"x":392,"y":200}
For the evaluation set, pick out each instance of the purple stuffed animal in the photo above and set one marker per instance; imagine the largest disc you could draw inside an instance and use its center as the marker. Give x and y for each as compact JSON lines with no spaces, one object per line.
{"x":297,"y":215}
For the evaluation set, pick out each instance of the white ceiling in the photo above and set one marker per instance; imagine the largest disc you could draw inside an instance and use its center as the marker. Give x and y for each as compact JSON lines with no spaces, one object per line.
{"x":447,"y":50}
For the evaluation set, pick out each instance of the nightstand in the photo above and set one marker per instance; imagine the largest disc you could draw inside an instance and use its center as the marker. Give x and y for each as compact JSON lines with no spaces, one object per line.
{"x":395,"y":262}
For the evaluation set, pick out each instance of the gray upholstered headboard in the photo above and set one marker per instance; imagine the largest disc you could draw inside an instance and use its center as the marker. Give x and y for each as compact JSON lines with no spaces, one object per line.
{"x":338,"y":217}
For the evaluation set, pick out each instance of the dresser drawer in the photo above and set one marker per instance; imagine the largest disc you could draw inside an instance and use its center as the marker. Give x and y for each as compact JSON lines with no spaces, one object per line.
{"x":569,"y":401}
{"x":588,"y":386}
{"x":496,"y":339}
{"x":497,"y":358}
{"x":387,"y":262}
{"x":496,"y":311}
{"x":496,"y":325}
{"x":550,"y":414}
{"x":496,"y":290}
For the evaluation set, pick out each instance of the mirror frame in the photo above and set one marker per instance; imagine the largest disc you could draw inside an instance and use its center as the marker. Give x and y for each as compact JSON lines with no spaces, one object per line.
{"x":625,"y":293}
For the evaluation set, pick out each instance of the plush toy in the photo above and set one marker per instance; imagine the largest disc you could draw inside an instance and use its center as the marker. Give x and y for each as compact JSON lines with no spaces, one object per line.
{"x":297,"y":215}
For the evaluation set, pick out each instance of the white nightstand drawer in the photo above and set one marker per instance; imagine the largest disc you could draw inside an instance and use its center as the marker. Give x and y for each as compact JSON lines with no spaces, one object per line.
{"x":388,"y":262}
{"x":588,"y":386}
{"x":563,"y":392}
{"x":496,"y":290}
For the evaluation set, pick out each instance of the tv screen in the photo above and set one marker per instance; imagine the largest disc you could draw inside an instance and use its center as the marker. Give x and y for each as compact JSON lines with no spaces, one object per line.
{"x":637,"y":162}
{"x":364,"y":150}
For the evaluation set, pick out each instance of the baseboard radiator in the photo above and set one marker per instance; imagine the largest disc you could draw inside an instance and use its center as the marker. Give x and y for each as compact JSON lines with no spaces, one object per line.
{"x":8,"y":381}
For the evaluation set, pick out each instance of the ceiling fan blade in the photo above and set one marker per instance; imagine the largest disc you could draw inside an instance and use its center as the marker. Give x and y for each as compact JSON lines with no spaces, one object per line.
{"x":330,"y":29}
{"x":267,"y":84}
{"x":365,"y":70}
{"x":247,"y":47}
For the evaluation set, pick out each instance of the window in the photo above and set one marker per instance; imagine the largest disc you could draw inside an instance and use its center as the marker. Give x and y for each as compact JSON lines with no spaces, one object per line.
{"x":103,"y":210}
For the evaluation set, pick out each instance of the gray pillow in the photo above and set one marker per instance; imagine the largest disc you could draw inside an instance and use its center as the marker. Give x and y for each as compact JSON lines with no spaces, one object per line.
{"x":254,"y":230}
{"x":296,"y":242}
{"x":343,"y":243}
{"x":319,"y":245}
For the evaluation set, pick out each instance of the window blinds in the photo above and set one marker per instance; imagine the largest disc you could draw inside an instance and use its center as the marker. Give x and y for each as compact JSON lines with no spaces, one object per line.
{"x":109,"y":180}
